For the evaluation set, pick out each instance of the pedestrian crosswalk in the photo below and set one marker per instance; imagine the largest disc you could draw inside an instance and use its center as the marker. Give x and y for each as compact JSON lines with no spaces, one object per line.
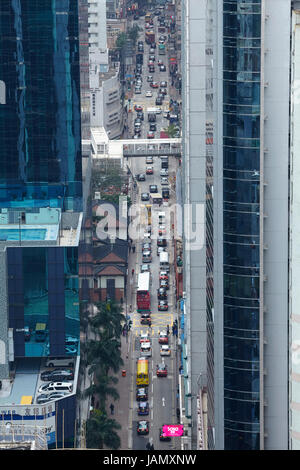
{"x":158,"y":320}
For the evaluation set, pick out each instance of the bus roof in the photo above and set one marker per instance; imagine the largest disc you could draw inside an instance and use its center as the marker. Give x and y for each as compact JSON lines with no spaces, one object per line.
{"x":144,"y":281}
{"x":142,"y":366}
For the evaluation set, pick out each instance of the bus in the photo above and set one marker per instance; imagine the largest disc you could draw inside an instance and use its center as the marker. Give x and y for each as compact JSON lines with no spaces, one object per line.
{"x":164,"y":261}
{"x":142,"y":372}
{"x":143,"y":292}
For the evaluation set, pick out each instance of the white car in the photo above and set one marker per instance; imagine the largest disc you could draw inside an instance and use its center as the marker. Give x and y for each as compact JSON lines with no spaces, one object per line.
{"x":165,"y":350}
{"x":164,"y":180}
{"x":144,"y":338}
{"x":164,"y":172}
{"x":148,"y":94}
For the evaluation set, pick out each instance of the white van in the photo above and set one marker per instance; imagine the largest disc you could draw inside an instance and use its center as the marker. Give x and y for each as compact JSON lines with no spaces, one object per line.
{"x":60,"y":362}
{"x":164,"y":261}
{"x":146,"y":349}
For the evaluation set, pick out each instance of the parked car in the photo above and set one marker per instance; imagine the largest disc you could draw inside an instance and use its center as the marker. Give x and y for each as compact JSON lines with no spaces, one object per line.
{"x":145,"y":268}
{"x":163,"y":275}
{"x":164,"y":283}
{"x":57,"y":375}
{"x":161,"y":293}
{"x":164,"y":181}
{"x":160,"y":249}
{"x":143,"y":427}
{"x":142,"y":394}
{"x":164,"y":172}
{"x":162,"y":437}
{"x":163,"y":305}
{"x":143,"y":408}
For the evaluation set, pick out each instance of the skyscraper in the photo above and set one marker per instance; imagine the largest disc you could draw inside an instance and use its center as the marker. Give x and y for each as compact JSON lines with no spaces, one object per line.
{"x":242,"y":54}
{"x":40,"y":204}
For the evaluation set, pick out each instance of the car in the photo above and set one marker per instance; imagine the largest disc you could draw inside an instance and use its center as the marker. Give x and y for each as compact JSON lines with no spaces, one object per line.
{"x":140,"y":115}
{"x":163,"y":91}
{"x":165,"y":350}
{"x":152,"y":127}
{"x":162,"y":68}
{"x":163,"y":84}
{"x":143,"y":408}
{"x":146,"y":246}
{"x":162,"y":437}
{"x":145,"y":268}
{"x":137,"y":136}
{"x":161,"y":293}
{"x":161,"y":370}
{"x":165,"y":193}
{"x":148,"y":94}
{"x":137,"y":90}
{"x":138,"y":83}
{"x":137,"y":131}
{"x":142,"y":394}
{"x":150,"y":135}
{"x":161,"y":241}
{"x":27,"y":333}
{"x":154,"y":85}
{"x":163,"y":337}
{"x":42,"y":398}
{"x":164,"y":172}
{"x":153,"y":188}
{"x":149,"y":159}
{"x":163,"y":305}
{"x":149,"y":170}
{"x":158,"y":101}
{"x":145,"y":319}
{"x":164,"y":283}
{"x":152,"y":58}
{"x":161,"y":96}
{"x":138,"y":107}
{"x":145,"y":196}
{"x":160,"y":249}
{"x":137,"y":121}
{"x":164,"y":181}
{"x":57,"y":375}
{"x":152,"y":51}
{"x":151,"y":69}
{"x":142,"y":427}
{"x":147,"y":25}
{"x":146,"y":256}
{"x":153,"y":45}
{"x":150,"y":78}
{"x":141,"y":177}
{"x":144,"y":338}
{"x":163,"y":275}
{"x":162,"y":230}
{"x":160,"y":62}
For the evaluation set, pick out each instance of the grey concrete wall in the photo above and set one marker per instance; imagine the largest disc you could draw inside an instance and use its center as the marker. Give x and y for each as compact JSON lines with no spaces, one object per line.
{"x":4,"y":367}
{"x":275,"y":259}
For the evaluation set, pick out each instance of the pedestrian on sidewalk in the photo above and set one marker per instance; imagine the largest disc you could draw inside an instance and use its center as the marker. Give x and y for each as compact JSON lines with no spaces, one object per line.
{"x":168,"y":329}
{"x":112,"y":408}
{"x":132,"y":272}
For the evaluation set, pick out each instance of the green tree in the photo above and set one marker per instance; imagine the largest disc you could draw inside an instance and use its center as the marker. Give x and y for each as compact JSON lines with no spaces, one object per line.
{"x":171,"y":130}
{"x":102,"y":388}
{"x":101,"y":430}
{"x":121,"y":41}
{"x":109,"y":317}
{"x":105,"y":352}
{"x":133,"y":33}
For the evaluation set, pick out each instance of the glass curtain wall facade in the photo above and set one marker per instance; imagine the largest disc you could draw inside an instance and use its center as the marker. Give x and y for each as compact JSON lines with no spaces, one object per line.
{"x":241,"y":211}
{"x":40,"y":121}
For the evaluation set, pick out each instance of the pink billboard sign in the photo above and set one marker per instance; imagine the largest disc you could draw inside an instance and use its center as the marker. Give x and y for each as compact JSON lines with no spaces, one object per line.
{"x":172,"y":430}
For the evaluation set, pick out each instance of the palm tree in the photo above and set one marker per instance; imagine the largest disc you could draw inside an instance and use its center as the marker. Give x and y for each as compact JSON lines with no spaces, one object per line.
{"x":100,"y":431}
{"x":109,"y":317}
{"x":171,"y":130}
{"x":105,"y":352}
{"x":102,"y":387}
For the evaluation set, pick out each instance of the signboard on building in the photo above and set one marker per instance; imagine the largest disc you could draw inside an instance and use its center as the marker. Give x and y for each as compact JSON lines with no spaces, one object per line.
{"x":173,"y":430}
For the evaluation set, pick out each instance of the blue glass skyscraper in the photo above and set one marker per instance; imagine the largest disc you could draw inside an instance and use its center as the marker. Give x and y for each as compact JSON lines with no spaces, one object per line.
{"x":40,"y":121}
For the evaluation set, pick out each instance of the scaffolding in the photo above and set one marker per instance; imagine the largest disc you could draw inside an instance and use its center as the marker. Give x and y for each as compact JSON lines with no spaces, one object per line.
{"x":22,"y":437}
